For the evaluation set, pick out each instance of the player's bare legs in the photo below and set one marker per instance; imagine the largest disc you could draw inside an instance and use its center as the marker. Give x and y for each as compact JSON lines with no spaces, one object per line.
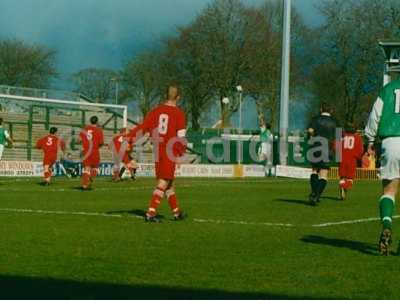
{"x":386,"y":207}
{"x":132,"y":167}
{"x":47,"y":174}
{"x":116,"y":172}
{"x":85,"y":179}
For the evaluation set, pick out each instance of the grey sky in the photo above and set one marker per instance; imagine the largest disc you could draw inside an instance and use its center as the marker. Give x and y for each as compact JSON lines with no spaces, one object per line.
{"x":104,"y":33}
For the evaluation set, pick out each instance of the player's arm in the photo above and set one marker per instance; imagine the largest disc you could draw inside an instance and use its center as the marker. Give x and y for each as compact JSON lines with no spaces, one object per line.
{"x":132,"y":135}
{"x":101,"y":138}
{"x":39,"y":144}
{"x":360,"y":146}
{"x":79,"y":139}
{"x":181,"y":134}
{"x":371,"y":130}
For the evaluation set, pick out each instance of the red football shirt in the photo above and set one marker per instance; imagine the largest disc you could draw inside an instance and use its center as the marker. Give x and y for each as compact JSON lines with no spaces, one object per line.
{"x":352,"y":146}
{"x":92,"y":139}
{"x":50,"y":145}
{"x":119,"y":141}
{"x":164,"y":123}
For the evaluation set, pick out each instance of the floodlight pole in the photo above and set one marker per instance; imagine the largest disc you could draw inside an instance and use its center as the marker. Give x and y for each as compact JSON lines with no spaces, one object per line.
{"x":240,"y":91}
{"x":115,"y":79}
{"x":284,"y":103}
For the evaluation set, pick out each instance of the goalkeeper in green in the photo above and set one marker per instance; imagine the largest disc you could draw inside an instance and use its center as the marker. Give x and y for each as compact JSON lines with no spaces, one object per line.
{"x":384,"y":123}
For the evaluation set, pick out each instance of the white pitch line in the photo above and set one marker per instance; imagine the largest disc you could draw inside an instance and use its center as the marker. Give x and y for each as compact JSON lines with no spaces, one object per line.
{"x":58,"y":212}
{"x":350,"y":222}
{"x":213,"y":221}
{"x":242,"y":223}
{"x":96,"y":214}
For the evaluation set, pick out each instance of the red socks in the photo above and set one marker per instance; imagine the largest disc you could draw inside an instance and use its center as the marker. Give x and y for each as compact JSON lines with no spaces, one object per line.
{"x":47,"y":176}
{"x":158,"y":194}
{"x":93,"y":172}
{"x":85,"y":179}
{"x":346,"y":184}
{"x":173,"y":202}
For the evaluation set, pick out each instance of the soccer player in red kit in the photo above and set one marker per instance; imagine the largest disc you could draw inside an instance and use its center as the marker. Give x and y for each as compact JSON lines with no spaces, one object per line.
{"x":166,"y":125}
{"x":50,"y":144}
{"x":92,"y":140}
{"x":352,"y":150}
{"x":121,"y":148}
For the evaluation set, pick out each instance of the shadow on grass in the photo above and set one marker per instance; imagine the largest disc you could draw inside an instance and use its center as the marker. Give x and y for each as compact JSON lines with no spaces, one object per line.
{"x":15,"y":287}
{"x":79,"y":188}
{"x":294,"y":201}
{"x":330,"y":198}
{"x":134,"y":212}
{"x":366,"y":248}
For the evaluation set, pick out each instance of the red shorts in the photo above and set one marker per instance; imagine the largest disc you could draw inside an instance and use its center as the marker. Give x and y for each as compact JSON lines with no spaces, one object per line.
{"x":92,"y":161}
{"x":165,"y":168}
{"x":49,"y":161}
{"x":126,"y":159}
{"x":348,"y":169}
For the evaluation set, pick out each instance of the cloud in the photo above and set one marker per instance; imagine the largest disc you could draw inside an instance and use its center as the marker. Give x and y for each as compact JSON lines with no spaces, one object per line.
{"x":100,"y":33}
{"x":94,"y":32}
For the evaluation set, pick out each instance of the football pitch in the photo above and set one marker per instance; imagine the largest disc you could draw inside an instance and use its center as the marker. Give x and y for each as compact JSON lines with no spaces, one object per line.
{"x":243,"y":239}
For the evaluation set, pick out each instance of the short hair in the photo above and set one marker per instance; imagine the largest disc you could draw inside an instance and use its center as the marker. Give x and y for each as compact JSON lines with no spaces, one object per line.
{"x":325,"y":107}
{"x":350,"y":127}
{"x":1,"y":121}
{"x":173,"y":91}
{"x":123,"y":130}
{"x":94,"y":120}
{"x":53,"y":130}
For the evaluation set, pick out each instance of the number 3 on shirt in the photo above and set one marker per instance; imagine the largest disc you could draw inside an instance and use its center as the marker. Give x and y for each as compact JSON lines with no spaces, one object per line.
{"x":163,"y":124}
{"x":397,"y":101}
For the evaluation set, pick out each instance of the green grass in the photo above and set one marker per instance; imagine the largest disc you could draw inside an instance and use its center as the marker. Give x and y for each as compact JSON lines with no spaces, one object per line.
{"x":67,"y":256}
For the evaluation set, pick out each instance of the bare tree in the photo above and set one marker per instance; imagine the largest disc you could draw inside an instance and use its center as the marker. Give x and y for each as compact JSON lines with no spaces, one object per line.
{"x":350,"y":71}
{"x":26,"y":65}
{"x":97,"y":84}
{"x":143,"y":80}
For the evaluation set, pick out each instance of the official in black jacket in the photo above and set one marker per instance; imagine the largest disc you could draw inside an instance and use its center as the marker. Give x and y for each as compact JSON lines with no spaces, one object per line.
{"x":321,"y":155}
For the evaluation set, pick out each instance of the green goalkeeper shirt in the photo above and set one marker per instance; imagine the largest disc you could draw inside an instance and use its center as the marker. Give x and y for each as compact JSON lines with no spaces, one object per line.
{"x":4,"y":136}
{"x":266,"y":136}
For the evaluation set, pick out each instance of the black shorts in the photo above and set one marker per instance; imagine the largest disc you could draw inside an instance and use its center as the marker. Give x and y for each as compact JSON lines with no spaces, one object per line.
{"x":321,"y":166}
{"x":324,"y":164}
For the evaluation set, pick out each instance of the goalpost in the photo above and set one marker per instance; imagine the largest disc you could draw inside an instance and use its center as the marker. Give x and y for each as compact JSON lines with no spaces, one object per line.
{"x":123,"y":108}
{"x":28,"y":118}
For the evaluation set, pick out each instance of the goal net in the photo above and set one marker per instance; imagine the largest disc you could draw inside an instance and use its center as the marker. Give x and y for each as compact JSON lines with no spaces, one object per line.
{"x":29,"y":114}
